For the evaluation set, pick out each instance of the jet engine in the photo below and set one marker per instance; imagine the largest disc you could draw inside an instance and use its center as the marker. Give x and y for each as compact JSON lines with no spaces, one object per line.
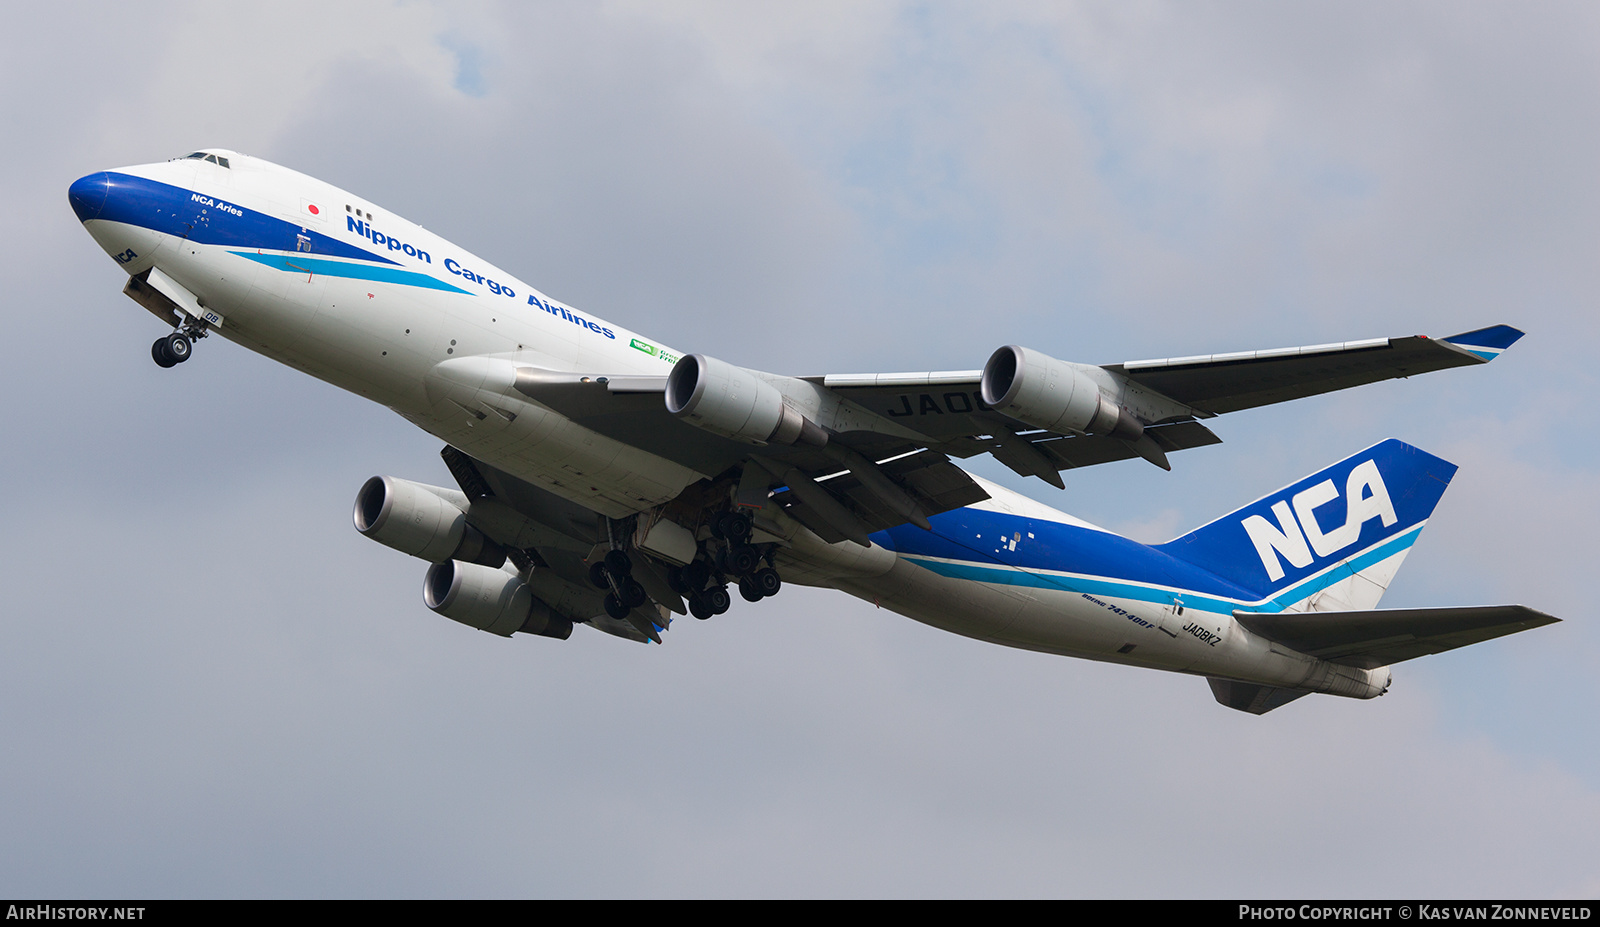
{"x":423,"y":521}
{"x":490,"y":599}
{"x":736,"y":403}
{"x":1052,"y":394}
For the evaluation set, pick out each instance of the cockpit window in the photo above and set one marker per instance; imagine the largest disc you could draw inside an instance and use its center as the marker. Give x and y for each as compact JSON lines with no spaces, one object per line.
{"x":202,"y":156}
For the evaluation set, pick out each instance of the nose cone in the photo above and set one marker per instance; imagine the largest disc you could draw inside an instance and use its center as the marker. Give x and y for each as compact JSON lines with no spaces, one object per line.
{"x":88,"y":195}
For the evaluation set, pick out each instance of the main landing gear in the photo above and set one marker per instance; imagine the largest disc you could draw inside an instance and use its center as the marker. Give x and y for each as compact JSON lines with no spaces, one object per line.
{"x":615,"y":574}
{"x":703,"y":582}
{"x":695,"y":583}
{"x":735,"y":557}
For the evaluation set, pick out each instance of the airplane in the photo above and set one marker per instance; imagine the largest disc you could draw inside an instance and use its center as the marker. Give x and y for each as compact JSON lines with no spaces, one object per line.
{"x":609,"y":480}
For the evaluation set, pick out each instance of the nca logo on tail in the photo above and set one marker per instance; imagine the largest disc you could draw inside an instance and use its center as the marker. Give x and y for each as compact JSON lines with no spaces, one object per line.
{"x":1366,"y":498}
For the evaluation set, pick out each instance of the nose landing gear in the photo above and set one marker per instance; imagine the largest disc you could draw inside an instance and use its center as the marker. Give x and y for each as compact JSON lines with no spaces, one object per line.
{"x":172,"y":349}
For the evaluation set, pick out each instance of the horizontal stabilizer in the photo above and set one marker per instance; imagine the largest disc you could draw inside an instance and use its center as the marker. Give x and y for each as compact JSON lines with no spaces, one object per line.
{"x":1252,"y":697}
{"x":1370,"y":639}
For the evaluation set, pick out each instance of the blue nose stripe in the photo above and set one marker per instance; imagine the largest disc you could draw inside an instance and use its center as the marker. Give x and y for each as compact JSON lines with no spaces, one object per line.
{"x":88,"y":195}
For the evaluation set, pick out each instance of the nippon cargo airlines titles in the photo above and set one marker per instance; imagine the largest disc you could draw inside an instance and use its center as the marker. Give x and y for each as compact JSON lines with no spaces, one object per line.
{"x":360,"y":227}
{"x":606,"y":480}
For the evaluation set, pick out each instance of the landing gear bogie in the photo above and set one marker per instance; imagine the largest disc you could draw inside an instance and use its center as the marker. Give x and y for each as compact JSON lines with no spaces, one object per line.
{"x":743,"y":560}
{"x":619,"y":563}
{"x":731,"y":526}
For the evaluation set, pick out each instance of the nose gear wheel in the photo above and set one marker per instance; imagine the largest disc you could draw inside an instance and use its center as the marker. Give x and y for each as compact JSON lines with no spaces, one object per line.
{"x":171,"y":350}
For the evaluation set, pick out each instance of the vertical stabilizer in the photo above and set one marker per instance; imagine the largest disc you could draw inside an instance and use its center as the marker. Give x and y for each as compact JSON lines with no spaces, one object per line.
{"x":1330,"y":542}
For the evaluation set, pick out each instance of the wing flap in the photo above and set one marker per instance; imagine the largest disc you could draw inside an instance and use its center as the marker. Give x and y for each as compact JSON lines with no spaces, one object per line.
{"x":936,"y":484}
{"x":1088,"y":450}
{"x":1369,"y":639}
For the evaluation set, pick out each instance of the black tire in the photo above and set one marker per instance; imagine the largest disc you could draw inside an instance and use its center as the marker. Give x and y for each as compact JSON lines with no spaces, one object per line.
{"x":736,"y":526}
{"x":619,"y":563}
{"x":635,"y":593}
{"x":597,"y":575}
{"x":179,"y":347}
{"x":767,"y":581}
{"x":696,"y":574}
{"x":677,"y":582}
{"x":719,"y":599}
{"x":748,"y":590}
{"x":743,"y":559}
{"x":616,"y":609}
{"x":159,"y":354}
{"x":699,"y":607}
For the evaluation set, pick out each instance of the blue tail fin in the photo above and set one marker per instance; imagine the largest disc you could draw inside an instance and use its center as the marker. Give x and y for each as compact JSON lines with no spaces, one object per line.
{"x":1330,"y":542}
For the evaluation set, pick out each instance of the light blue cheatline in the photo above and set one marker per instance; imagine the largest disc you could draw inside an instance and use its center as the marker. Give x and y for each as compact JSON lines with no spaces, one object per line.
{"x":299,"y":263}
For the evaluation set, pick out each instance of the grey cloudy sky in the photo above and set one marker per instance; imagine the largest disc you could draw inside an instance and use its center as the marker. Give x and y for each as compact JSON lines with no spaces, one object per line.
{"x":210,"y":685}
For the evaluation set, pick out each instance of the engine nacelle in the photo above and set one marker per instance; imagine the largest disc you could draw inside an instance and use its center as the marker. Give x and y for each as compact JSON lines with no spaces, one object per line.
{"x":1052,"y":394}
{"x":423,"y":521}
{"x":490,"y":599}
{"x":736,"y":403}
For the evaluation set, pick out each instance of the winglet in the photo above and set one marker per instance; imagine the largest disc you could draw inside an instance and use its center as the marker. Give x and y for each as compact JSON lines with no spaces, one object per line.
{"x":1486,"y":343}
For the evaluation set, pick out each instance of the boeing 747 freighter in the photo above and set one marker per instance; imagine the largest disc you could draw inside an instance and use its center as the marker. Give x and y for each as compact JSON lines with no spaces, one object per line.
{"x":607,"y":479}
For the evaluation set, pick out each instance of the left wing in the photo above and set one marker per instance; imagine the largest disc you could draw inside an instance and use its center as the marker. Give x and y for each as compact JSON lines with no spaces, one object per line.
{"x":1220,"y":383}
